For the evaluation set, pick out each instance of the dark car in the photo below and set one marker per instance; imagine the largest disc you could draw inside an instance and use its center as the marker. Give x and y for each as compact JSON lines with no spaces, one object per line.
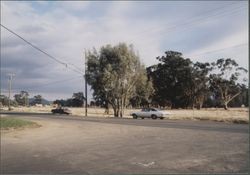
{"x":61,"y":111}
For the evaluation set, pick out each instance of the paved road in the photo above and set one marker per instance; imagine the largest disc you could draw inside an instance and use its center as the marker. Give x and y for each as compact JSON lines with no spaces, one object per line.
{"x":70,"y":144}
{"x":178,"y":124}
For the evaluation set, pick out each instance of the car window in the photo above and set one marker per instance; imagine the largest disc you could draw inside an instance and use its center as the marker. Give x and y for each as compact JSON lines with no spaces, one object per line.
{"x":153,"y":109}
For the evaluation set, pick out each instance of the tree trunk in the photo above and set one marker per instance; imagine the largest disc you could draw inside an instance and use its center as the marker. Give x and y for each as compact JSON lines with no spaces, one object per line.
{"x":121,"y":108}
{"x":106,"y":108}
{"x":225,"y":106}
{"x":200,"y":105}
{"x":115,"y":111}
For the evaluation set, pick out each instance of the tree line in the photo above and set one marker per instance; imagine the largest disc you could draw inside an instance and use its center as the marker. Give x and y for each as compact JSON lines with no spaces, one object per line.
{"x":22,"y":99}
{"x":119,"y":80}
{"x":77,"y":100}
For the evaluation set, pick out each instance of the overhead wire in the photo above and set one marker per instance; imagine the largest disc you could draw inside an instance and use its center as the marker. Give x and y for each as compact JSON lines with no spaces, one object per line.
{"x":218,"y":50}
{"x":195,"y":21}
{"x":32,"y":88}
{"x":206,"y":12}
{"x":40,"y":50}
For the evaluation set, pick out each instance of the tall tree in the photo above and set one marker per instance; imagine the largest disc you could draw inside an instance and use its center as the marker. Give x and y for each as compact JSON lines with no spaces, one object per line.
{"x":25,"y":96}
{"x":143,"y":91}
{"x":22,"y":98}
{"x":199,"y":89}
{"x":171,"y":78}
{"x":4,"y":100}
{"x":112,"y":74}
{"x":225,"y":81}
{"x":77,"y":99}
{"x":37,"y":99}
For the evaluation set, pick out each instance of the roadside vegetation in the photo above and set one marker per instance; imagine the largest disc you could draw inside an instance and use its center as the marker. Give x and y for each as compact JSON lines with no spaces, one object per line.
{"x":14,"y":123}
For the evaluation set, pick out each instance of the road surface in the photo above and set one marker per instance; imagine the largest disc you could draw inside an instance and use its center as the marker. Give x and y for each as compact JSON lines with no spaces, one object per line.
{"x":70,"y":144}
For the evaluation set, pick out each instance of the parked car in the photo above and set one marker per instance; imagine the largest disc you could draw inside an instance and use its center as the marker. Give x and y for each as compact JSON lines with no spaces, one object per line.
{"x":61,"y":111}
{"x":153,"y":113}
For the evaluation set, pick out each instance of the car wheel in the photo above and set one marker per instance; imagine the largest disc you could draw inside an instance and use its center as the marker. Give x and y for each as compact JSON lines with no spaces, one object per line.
{"x":161,"y":118}
{"x":135,"y":116}
{"x":154,"y":117}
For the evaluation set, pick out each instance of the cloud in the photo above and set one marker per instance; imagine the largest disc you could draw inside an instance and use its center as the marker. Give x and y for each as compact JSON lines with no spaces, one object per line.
{"x":74,"y":6}
{"x":64,"y":29}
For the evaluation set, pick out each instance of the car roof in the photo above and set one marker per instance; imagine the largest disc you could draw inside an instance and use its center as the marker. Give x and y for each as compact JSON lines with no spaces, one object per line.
{"x":151,"y":108}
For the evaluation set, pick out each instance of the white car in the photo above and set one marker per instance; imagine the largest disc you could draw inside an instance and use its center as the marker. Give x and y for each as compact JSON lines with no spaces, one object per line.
{"x":153,"y":113}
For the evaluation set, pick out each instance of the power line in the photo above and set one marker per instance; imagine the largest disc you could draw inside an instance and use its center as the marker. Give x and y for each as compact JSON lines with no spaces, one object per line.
{"x":207,"y":12}
{"x":51,"y":83}
{"x":40,"y":50}
{"x":196,"y":20}
{"x":218,"y":50}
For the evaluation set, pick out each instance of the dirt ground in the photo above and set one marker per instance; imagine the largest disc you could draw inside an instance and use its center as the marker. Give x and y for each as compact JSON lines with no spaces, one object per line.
{"x":83,"y":147}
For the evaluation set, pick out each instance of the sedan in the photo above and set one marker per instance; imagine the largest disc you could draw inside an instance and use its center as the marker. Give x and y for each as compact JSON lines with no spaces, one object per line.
{"x":153,"y":113}
{"x":61,"y":111}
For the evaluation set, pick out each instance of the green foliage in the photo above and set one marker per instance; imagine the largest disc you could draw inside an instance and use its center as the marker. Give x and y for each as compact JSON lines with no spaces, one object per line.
{"x":224,"y":83}
{"x":172,"y":79}
{"x":118,"y":79}
{"x":199,"y":84}
{"x":37,"y":99}
{"x":113,"y":74}
{"x":22,"y":98}
{"x":77,"y":100}
{"x":14,"y":123}
{"x":143,"y":91}
{"x":180,"y":83}
{"x":4,"y":100}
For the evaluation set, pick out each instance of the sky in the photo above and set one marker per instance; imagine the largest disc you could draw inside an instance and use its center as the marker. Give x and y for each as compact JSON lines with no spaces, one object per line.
{"x":201,"y":30}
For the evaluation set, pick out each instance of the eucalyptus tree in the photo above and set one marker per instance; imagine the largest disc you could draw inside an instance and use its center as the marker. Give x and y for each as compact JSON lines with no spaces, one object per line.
{"x":171,"y":79}
{"x":37,"y":99}
{"x":227,"y":80}
{"x":22,"y":98}
{"x":113,"y":73}
{"x":199,"y":84}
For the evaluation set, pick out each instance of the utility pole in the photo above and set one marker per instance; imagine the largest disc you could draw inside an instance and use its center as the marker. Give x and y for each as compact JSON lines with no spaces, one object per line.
{"x":11,"y":75}
{"x":86,"y":91}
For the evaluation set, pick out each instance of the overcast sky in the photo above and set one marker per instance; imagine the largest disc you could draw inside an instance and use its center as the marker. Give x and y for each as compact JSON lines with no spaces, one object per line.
{"x":202,"y":30}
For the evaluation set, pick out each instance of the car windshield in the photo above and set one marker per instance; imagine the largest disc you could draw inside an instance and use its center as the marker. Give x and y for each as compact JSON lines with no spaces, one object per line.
{"x":149,"y":109}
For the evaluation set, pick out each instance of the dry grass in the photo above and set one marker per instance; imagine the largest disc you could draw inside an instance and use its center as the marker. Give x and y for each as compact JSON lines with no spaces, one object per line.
{"x":235,"y":115}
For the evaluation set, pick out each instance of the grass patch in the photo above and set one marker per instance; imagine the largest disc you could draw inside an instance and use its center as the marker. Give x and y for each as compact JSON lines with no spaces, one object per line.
{"x":7,"y":123}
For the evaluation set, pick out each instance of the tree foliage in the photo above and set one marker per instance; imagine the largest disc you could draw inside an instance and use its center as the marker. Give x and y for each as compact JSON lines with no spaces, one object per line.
{"x":22,"y":98}
{"x":172,"y":79}
{"x":4,"y":100}
{"x":113,"y":74}
{"x":224,"y":82}
{"x":37,"y":99}
{"x":180,"y":83}
{"x":77,"y":100}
